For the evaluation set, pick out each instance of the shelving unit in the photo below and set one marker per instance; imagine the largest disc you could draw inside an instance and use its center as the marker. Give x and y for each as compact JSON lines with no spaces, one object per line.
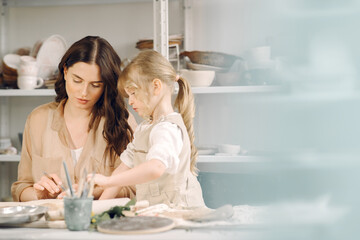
{"x":206,"y":163}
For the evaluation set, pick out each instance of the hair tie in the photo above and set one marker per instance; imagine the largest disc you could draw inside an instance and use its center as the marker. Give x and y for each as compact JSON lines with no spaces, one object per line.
{"x":177,"y":78}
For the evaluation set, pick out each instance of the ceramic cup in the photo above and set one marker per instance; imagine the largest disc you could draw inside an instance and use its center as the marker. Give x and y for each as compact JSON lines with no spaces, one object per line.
{"x":259,"y":57}
{"x":29,"y":82}
{"x":28,"y":66}
{"x":5,"y":143}
{"x":77,"y":213}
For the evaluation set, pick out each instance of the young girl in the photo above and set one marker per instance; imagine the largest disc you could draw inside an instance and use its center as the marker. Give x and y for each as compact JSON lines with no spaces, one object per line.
{"x":161,"y":159}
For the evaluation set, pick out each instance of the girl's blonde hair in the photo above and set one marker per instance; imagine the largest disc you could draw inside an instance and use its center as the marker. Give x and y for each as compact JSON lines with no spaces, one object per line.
{"x":150,"y":65}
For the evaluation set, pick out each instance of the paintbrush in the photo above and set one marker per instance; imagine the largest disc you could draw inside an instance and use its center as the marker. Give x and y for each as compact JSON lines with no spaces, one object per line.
{"x":68,"y":179}
{"x":81,"y":183}
{"x":52,"y":179}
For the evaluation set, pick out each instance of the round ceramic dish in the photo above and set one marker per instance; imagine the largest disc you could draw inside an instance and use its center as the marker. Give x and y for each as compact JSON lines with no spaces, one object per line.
{"x":136,"y":225}
{"x":21,"y":214}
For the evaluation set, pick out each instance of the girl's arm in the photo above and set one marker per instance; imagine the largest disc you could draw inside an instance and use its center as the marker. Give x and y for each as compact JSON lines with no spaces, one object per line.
{"x":142,"y":173}
{"x":111,"y":192}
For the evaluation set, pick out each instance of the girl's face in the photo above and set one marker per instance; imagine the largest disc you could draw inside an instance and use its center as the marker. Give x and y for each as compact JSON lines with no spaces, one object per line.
{"x":138,"y":105}
{"x":83,"y":85}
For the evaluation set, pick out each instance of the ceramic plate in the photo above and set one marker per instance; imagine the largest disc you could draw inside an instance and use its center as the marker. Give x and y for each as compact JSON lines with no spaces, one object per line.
{"x":136,"y":225}
{"x":50,"y":54}
{"x":21,"y":214}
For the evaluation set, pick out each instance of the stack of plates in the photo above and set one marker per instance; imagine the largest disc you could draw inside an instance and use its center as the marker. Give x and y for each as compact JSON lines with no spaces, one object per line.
{"x":48,"y":55}
{"x":50,"y":83}
{"x":10,"y":65}
{"x":149,"y":43}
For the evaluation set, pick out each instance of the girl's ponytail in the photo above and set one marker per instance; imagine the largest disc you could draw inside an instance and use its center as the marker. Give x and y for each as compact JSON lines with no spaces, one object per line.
{"x":184,"y":102}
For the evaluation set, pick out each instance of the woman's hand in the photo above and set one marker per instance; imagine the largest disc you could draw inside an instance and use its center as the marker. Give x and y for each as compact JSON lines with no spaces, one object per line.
{"x":67,"y":192}
{"x":48,"y":187}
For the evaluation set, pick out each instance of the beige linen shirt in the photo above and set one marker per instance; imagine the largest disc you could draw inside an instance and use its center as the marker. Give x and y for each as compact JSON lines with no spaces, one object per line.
{"x":46,"y":143}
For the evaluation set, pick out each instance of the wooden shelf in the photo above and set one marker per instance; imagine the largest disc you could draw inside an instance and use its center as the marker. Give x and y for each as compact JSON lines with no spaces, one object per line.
{"x":230,"y":164}
{"x":237,"y":89}
{"x":196,"y":90}
{"x":250,"y":164}
{"x":9,"y":158}
{"x":24,"y":93}
{"x":202,"y":158}
{"x":37,"y":3}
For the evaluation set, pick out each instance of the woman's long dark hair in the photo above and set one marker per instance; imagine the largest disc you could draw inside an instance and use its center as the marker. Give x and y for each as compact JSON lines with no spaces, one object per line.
{"x":92,"y":49}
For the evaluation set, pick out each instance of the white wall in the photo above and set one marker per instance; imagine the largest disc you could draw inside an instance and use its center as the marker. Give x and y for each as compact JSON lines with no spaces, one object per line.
{"x":231,"y":26}
{"x":121,"y":24}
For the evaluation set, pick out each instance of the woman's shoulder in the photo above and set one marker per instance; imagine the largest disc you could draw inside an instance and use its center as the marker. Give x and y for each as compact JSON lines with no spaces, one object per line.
{"x":43,"y":110}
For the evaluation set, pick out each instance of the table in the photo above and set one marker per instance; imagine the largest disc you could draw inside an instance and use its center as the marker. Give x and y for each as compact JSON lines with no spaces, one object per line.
{"x":196,"y":234}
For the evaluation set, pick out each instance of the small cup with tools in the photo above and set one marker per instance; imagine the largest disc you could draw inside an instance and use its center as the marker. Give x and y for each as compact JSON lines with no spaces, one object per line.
{"x":77,"y":213}
{"x":78,"y":206}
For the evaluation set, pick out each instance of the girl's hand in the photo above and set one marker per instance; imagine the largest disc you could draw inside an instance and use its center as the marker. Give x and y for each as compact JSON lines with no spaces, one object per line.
{"x":47,"y":188}
{"x":99,"y":179}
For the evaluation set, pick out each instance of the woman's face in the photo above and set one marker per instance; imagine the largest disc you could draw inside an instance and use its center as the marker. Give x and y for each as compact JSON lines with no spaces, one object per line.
{"x":83,"y":85}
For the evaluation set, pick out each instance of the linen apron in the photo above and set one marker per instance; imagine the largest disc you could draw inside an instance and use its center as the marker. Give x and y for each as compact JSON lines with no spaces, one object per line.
{"x":180,"y":190}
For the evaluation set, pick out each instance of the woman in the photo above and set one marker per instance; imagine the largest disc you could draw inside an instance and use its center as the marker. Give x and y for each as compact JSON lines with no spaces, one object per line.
{"x":88,"y":125}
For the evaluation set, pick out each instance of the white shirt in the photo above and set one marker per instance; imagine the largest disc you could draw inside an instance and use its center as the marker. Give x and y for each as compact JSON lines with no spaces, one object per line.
{"x":75,"y":154}
{"x":165,"y":145}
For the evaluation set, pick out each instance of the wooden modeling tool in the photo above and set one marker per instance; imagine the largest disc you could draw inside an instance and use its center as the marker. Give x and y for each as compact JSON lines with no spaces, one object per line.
{"x":91,"y":185}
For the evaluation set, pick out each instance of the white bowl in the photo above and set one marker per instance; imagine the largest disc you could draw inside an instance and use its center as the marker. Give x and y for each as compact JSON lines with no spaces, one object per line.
{"x":198,"y":78}
{"x":229,"y":148}
{"x":12,"y":60}
{"x":228,"y":78}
